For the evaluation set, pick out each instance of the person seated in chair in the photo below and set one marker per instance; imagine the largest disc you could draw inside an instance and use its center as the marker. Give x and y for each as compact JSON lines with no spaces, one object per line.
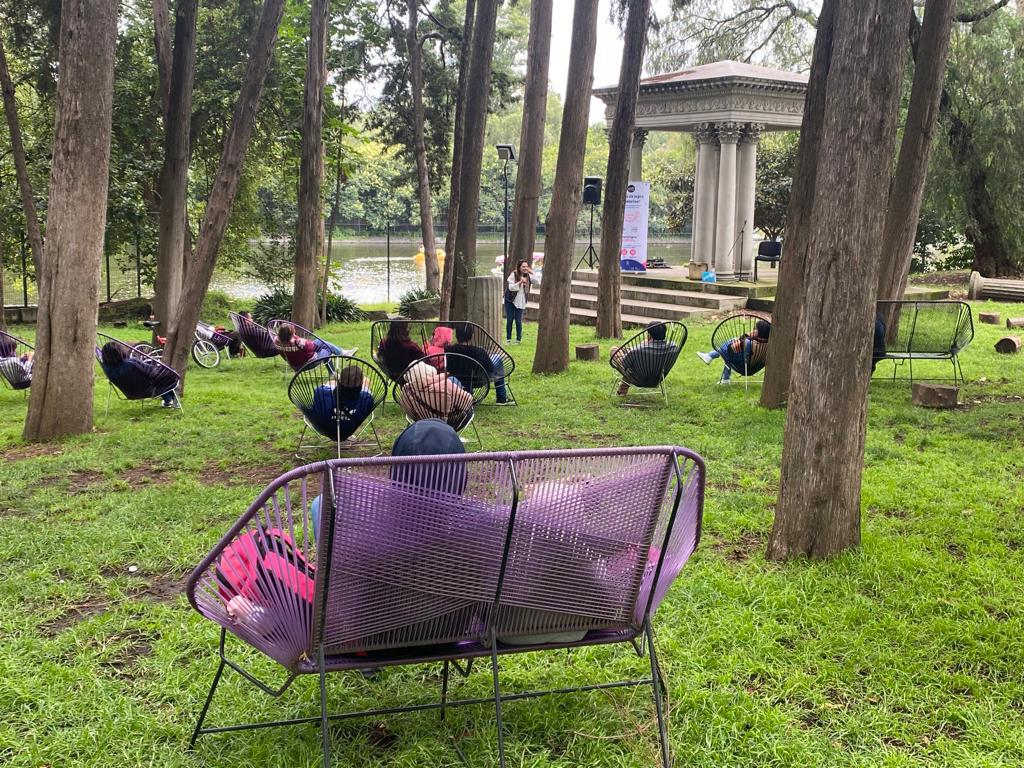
{"x":354,"y":403}
{"x":648,"y":356}
{"x":878,"y":341}
{"x":117,"y":367}
{"x":397,"y":351}
{"x":746,"y":352}
{"x":440,"y":339}
{"x":10,"y":352}
{"x":492,"y":364}
{"x":427,"y":394}
{"x":299,"y":351}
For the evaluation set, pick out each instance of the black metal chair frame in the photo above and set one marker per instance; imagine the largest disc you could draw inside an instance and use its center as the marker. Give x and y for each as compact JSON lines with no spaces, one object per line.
{"x":773,"y":258}
{"x":379,"y":330}
{"x":622,"y":376}
{"x":479,"y":386}
{"x":961,"y":334}
{"x":642,"y":644}
{"x":19,"y":345}
{"x":716,"y":341}
{"x":138,"y":352}
{"x":378,"y":389}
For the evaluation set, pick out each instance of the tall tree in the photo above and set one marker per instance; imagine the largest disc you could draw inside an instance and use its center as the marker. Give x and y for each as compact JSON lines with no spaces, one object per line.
{"x":163,"y":51}
{"x":907,"y":192}
{"x":225,"y":185}
{"x":553,"y":326}
{"x":28,"y":203}
{"x":818,"y":508}
{"x":609,"y":310}
{"x":62,"y":380}
{"x":415,"y":47}
{"x":464,"y":261}
{"x":332,"y":222}
{"x":310,"y":234}
{"x":458,"y":140}
{"x":172,"y":245}
{"x":523,"y":235}
{"x":790,"y":293}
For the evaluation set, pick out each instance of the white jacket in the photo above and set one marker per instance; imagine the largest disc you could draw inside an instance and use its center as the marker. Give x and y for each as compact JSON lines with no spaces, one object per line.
{"x":520,"y":292}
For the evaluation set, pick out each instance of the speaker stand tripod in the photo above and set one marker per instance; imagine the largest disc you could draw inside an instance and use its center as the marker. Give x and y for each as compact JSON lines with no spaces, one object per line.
{"x":589,"y":255}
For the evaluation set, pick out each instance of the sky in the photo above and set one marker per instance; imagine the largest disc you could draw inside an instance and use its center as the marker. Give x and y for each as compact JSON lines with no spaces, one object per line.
{"x":609,"y":49}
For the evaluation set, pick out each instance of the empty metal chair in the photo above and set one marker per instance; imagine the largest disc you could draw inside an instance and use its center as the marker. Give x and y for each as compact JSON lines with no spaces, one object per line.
{"x":770,"y":251}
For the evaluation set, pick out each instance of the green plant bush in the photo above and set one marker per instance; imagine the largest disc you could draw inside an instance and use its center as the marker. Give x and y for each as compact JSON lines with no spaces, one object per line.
{"x":278,"y":304}
{"x":407,"y":299}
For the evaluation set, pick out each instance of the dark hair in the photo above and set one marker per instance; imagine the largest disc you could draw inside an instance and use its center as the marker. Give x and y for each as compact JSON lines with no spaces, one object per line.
{"x":112,"y":354}
{"x":398,"y":330}
{"x":657,"y":331}
{"x":246,"y":314}
{"x":350,"y":380}
{"x":285,"y":333}
{"x":7,"y":347}
{"x":463,"y":332}
{"x":763,"y":328}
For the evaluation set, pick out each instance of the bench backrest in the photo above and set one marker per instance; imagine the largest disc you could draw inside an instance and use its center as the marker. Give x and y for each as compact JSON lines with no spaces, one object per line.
{"x":431,"y":550}
{"x":927,"y":327}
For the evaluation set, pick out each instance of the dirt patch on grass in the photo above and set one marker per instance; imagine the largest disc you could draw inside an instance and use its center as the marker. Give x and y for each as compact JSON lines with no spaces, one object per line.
{"x":32,"y":451}
{"x":137,"y":646}
{"x":742,"y":549}
{"x":157,"y":588}
{"x":214,"y":475}
{"x":956,"y":551}
{"x":86,"y":479}
{"x":145,"y":476}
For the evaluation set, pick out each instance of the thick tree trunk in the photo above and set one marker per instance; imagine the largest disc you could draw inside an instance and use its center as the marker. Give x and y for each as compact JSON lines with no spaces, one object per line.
{"x":553,"y":324}
{"x":309,"y":235}
{"x":907,"y":191}
{"x":523,"y":232}
{"x":454,"y":195}
{"x":433,"y":282}
{"x":28,"y":203}
{"x":609,"y":311}
{"x":172,"y":237}
{"x":792,"y":269}
{"x":62,"y":376}
{"x":225,"y":185}
{"x":818,"y":509}
{"x":464,"y":262}
{"x":162,"y":46}
{"x":332,"y":221}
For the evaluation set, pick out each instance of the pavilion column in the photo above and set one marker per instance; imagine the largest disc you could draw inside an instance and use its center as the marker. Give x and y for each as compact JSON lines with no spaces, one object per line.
{"x":746,"y":186}
{"x":725,"y":231}
{"x":636,"y":155}
{"x":705,"y":194}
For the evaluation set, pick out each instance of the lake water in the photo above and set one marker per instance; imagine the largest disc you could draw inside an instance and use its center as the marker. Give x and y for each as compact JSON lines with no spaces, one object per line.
{"x":363,"y":272}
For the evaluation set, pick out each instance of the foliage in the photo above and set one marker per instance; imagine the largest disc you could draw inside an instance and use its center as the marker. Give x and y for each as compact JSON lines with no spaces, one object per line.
{"x":278,"y":304}
{"x":776,"y":164}
{"x":407,"y":299}
{"x":906,"y":653}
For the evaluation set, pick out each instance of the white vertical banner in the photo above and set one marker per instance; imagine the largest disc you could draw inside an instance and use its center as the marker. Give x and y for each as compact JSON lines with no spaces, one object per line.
{"x":633,"y":253}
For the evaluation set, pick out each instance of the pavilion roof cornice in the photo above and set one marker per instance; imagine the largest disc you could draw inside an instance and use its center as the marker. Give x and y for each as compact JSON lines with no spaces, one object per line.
{"x":708,"y":86}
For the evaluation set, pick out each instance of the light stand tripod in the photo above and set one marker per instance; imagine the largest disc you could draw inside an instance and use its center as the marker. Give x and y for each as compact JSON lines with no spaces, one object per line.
{"x":589,"y":255}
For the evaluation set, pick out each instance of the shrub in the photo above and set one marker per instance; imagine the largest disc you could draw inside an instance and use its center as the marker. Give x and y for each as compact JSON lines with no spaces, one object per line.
{"x":408,"y":298}
{"x":278,"y":303}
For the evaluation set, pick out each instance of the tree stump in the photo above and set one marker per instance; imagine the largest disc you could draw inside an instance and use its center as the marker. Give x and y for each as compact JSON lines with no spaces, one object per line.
{"x":1008,"y":345}
{"x":485,"y":298}
{"x":934,"y":395}
{"x":992,"y":318}
{"x":1015,"y":322}
{"x":588,"y":352}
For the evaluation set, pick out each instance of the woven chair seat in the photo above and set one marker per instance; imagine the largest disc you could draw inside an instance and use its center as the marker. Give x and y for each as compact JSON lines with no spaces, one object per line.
{"x":254,"y":336}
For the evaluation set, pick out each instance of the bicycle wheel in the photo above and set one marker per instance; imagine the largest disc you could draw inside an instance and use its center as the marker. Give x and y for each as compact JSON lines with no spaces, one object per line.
{"x":205,"y":353}
{"x":147,"y":349}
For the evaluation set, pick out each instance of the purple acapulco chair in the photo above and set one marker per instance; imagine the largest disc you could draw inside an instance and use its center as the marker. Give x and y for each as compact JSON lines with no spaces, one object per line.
{"x":445,"y":559}
{"x":323,"y":347}
{"x":15,"y":362}
{"x":150,"y":378}
{"x":254,"y":336}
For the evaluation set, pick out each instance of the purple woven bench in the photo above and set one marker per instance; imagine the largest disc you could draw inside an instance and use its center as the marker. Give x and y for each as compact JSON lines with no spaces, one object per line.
{"x":448,"y":559}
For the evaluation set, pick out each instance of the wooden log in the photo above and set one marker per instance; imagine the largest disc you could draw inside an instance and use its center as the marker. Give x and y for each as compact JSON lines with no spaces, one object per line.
{"x":588,"y":352}
{"x":1008,"y":345}
{"x":934,"y":395}
{"x":1015,"y":322}
{"x":991,"y":318}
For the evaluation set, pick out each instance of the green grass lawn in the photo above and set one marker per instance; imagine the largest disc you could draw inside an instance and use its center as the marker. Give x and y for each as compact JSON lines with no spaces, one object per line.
{"x":907,"y":652}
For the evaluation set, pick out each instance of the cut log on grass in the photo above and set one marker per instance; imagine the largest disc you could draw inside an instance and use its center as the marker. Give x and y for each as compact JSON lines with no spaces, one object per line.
{"x":1008,"y":345}
{"x":992,"y":318}
{"x":1015,"y":322}
{"x":588,"y":352}
{"x":934,"y":395}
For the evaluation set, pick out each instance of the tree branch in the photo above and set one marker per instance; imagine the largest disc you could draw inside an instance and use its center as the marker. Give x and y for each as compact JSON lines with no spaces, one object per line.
{"x":970,"y":18}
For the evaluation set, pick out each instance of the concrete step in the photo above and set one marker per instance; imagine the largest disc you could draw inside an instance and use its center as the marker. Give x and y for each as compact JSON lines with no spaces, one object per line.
{"x":645,"y":294}
{"x":912,"y":293}
{"x":652,"y":279}
{"x":588,"y":316}
{"x":652,"y":310}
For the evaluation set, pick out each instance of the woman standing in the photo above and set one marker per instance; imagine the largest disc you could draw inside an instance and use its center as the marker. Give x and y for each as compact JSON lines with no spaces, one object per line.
{"x":515,"y":300}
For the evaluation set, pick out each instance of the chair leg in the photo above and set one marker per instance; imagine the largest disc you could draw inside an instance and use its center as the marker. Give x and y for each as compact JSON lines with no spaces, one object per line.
{"x":298,"y":449}
{"x":206,"y":706}
{"x":106,"y":409}
{"x":444,"y":690}
{"x":497,"y":700}
{"x":324,"y":724}
{"x":656,"y":684}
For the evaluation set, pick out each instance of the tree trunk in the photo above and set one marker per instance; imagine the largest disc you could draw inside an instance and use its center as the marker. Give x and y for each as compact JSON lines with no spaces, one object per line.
{"x":172,"y":236}
{"x":454,"y":195}
{"x":309,"y":237}
{"x":62,"y":376}
{"x":790,"y":290}
{"x":225,"y":185}
{"x":818,"y":509}
{"x":331,"y":223}
{"x":162,"y":46}
{"x":553,"y":325}
{"x":609,"y":311}
{"x":433,"y":270}
{"x":907,"y":191}
{"x":523,"y":234}
{"x":28,"y":203}
{"x":464,"y":262}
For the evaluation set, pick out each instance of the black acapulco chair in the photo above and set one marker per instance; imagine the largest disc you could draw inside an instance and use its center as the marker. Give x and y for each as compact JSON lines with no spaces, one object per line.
{"x":644,"y":363}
